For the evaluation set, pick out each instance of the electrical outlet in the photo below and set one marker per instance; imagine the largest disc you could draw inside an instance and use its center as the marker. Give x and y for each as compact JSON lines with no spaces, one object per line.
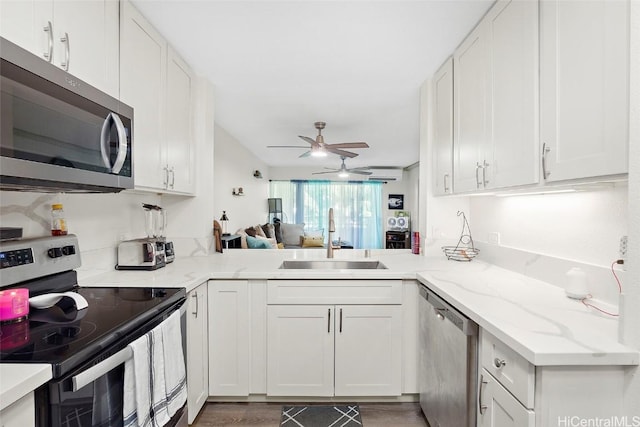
{"x":623,"y":248}
{"x":493,"y":237}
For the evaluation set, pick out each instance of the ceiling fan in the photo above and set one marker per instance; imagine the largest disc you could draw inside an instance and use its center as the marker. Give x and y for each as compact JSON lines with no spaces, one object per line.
{"x":343,"y":172}
{"x":320,"y":149}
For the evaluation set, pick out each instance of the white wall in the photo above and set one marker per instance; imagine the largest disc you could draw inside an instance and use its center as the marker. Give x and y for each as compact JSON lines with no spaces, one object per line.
{"x":234,"y":168}
{"x":582,"y":226}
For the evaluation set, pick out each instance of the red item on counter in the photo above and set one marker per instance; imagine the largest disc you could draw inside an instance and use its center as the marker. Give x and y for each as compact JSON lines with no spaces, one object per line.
{"x":415,"y":243}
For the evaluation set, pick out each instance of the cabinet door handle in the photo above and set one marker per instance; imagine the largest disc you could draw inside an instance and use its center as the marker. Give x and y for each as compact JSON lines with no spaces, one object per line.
{"x":446,"y":187}
{"x":195,"y":295}
{"x":48,"y":55}
{"x":165,"y":184}
{"x":545,"y":151}
{"x":481,"y":408}
{"x":485,"y":165}
{"x":328,"y":320}
{"x":478,"y":166}
{"x":499,"y":363}
{"x":173,"y":176}
{"x":340,"y":320}
{"x":67,"y":52}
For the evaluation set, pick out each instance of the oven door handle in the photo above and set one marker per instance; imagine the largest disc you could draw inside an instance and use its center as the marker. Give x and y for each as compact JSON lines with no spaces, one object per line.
{"x":96,"y":371}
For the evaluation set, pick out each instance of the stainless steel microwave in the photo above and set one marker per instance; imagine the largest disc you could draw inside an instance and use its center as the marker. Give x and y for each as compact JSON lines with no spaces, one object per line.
{"x":58,"y":133}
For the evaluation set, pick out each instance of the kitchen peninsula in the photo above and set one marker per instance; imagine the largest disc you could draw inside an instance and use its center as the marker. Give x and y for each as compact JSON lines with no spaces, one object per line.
{"x":563,"y":343}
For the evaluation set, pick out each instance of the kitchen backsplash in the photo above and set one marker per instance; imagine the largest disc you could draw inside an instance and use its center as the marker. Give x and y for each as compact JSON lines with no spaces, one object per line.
{"x":100,"y":221}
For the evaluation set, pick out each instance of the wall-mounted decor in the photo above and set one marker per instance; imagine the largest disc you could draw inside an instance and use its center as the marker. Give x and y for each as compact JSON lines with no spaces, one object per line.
{"x":238,"y":191}
{"x":396,"y":201}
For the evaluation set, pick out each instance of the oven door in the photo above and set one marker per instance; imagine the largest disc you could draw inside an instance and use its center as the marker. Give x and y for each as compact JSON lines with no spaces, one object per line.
{"x":92,"y":395}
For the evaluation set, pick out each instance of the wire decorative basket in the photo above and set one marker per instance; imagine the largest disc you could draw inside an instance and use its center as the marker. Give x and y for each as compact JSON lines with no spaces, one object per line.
{"x":465,"y":249}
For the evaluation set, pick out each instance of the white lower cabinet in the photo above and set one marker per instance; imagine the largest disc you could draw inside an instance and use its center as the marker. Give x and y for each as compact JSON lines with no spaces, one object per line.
{"x":499,"y":408}
{"x":229,"y":338}
{"x":334,"y":350}
{"x":197,"y":351}
{"x":21,"y":413}
{"x":513,"y":392}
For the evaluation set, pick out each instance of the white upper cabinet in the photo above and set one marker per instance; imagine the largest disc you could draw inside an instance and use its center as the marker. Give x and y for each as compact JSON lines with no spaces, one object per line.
{"x":180,"y":148}
{"x":496,"y":93}
{"x":142,"y":81}
{"x":80,"y":37}
{"x":471,"y":110}
{"x":443,"y":129}
{"x":513,"y":60}
{"x":160,"y":87}
{"x":584,"y":88}
{"x":29,"y":24}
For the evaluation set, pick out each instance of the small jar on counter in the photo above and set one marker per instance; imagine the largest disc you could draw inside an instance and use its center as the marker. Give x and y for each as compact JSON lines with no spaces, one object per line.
{"x":58,"y":223}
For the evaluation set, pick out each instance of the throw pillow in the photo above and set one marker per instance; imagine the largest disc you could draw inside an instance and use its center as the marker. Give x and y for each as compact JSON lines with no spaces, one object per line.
{"x":314,"y":233}
{"x":278,"y":231}
{"x":291,"y":233}
{"x":269,"y":230}
{"x":255,"y":243}
{"x":272,"y":242}
{"x":313,"y":242}
{"x":250,"y":231}
{"x":259,"y":231}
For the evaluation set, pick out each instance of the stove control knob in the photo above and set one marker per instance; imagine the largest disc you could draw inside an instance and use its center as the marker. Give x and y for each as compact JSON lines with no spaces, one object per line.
{"x":69,"y":250}
{"x":54,"y":252}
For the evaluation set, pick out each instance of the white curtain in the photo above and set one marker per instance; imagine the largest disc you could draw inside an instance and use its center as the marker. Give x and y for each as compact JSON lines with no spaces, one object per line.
{"x":357,"y":208}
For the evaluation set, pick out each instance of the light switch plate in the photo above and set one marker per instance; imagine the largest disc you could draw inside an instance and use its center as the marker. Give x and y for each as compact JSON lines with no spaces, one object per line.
{"x":494,"y":237}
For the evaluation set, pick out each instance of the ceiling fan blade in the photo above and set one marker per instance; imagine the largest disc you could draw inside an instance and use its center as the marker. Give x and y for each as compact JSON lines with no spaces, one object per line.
{"x":287,"y":146}
{"x":309,"y":140}
{"x":305,"y":154}
{"x":359,"y":172}
{"x":348,"y":145}
{"x":340,"y":152}
{"x":320,"y":173}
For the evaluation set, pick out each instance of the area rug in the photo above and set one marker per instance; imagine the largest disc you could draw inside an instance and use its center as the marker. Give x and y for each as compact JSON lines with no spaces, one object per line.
{"x":321,"y":416}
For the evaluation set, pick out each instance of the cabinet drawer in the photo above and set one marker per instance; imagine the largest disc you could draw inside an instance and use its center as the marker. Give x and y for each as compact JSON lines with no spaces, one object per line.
{"x":334,"y":292}
{"x":498,"y":408}
{"x":511,"y":370}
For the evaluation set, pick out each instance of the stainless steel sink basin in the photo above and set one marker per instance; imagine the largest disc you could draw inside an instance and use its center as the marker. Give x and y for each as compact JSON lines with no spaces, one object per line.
{"x":331,"y":264}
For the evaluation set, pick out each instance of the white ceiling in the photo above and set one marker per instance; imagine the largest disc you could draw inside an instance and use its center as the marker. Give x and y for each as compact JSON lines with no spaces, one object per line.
{"x":280,"y":66}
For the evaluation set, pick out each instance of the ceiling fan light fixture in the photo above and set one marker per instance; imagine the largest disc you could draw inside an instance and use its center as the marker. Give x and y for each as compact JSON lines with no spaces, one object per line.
{"x":318,"y":152}
{"x":343,"y":174}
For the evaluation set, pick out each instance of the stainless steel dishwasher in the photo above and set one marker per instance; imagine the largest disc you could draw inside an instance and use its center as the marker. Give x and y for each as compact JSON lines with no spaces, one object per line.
{"x":448,"y":363}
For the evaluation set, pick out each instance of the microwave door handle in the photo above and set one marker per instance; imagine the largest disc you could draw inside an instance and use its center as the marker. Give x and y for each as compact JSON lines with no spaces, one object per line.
{"x":96,"y":371}
{"x":105,"y":140}
{"x":122,"y":144}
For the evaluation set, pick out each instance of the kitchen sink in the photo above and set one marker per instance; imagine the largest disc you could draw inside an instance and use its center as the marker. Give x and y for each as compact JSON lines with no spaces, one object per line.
{"x":331,"y":264}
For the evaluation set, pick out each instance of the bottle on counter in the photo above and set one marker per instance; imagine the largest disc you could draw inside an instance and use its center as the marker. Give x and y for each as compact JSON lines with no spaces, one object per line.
{"x":58,"y":223}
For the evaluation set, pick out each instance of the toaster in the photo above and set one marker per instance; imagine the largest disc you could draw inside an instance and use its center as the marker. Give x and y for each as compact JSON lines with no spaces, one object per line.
{"x":141,"y":254}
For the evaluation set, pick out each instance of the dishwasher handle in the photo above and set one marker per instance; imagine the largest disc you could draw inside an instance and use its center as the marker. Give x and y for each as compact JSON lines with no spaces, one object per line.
{"x":445,"y":310}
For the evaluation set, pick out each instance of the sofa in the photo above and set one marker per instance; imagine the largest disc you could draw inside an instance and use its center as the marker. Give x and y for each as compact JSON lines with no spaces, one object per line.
{"x":280,"y":235}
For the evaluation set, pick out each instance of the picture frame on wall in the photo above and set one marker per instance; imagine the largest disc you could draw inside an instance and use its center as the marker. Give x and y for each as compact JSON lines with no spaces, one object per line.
{"x":396,"y":201}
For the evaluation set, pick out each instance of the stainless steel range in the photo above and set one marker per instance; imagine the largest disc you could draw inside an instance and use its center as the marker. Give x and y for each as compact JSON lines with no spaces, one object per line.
{"x":78,"y":342}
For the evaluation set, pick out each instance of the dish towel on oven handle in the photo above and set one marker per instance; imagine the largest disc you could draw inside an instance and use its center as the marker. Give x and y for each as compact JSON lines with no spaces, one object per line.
{"x":154,"y":378}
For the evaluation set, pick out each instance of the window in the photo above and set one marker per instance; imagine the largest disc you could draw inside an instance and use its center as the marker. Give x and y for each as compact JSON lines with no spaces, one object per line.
{"x":357,"y":208}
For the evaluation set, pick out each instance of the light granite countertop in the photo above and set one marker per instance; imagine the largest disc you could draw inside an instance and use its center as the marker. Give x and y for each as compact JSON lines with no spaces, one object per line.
{"x":533,"y":317}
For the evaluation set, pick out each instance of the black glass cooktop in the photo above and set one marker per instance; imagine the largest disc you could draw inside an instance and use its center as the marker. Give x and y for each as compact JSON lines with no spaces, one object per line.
{"x":68,"y":338}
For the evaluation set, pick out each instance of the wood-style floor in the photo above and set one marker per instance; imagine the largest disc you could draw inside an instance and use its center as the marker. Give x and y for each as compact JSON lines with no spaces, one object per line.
{"x":268,"y":415}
